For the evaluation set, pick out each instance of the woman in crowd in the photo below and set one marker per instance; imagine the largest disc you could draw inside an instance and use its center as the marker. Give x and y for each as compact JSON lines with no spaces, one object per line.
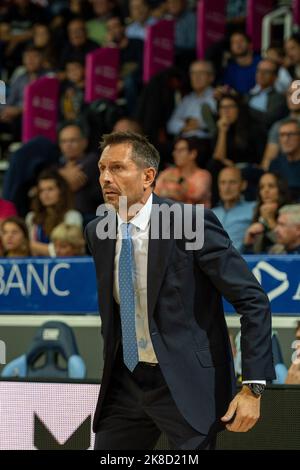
{"x":43,"y":40}
{"x":68,"y":240}
{"x":185,"y":182}
{"x":272,"y":194}
{"x":51,"y":206}
{"x":237,"y":141}
{"x":15,"y":238}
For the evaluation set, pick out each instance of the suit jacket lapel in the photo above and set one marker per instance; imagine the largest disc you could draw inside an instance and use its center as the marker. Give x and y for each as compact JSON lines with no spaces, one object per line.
{"x":106,"y":271}
{"x":158,"y":254}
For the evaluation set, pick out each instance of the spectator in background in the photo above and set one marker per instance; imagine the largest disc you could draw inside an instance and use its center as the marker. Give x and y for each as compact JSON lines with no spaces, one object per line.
{"x":72,"y":91}
{"x":5,"y":32}
{"x":287,"y":164}
{"x":80,"y":170}
{"x":4,"y":7}
{"x":185,"y":25}
{"x":51,"y":206}
{"x":42,"y":39}
{"x":158,"y":9}
{"x":131,"y":60}
{"x":10,"y":114}
{"x":277,"y":55}
{"x":240,"y":71}
{"x":287,"y":230}
{"x":25,"y":164}
{"x":97,"y":26}
{"x":292,"y":49}
{"x":7,"y":209}
{"x":80,"y":8}
{"x":187,"y":119}
{"x":15,"y":238}
{"x":238,"y":140}
{"x":273,"y":193}
{"x":293,"y":375}
{"x":69,"y":9}
{"x":128,"y":124}
{"x":236,"y":10}
{"x":78,"y":44}
{"x":273,"y":147}
{"x":185,"y":182}
{"x":21,"y":16}
{"x":265,"y":103}
{"x":234,"y":213}
{"x":139,"y":11}
{"x":235,"y":140}
{"x":131,"y":50}
{"x":68,"y":240}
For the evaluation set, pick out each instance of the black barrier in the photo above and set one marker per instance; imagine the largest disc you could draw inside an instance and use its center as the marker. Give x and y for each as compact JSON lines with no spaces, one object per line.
{"x":53,"y":405}
{"x":278,"y":427}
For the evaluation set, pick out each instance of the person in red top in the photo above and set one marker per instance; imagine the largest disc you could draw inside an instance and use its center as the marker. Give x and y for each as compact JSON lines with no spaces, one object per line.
{"x":185,"y":181}
{"x":7,"y":209}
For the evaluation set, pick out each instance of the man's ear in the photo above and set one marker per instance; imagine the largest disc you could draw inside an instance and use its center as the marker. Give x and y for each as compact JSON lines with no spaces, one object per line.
{"x":194,"y":153}
{"x":244,"y":185}
{"x":86,"y":143}
{"x":149,"y":177}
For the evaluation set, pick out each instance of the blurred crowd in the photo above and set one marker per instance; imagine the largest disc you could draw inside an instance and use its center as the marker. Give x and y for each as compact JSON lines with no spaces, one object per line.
{"x":227,"y":127}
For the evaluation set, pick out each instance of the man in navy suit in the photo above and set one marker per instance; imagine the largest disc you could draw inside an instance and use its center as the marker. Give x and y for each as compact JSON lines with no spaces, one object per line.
{"x":167,"y":357}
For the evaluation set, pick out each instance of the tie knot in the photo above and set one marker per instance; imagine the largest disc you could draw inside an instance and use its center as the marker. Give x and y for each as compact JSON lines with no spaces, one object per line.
{"x":126,"y":230}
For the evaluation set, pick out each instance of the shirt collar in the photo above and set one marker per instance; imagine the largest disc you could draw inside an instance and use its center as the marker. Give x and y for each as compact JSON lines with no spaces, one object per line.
{"x":257,"y":90}
{"x":142,"y":218}
{"x":238,"y":203}
{"x":207,"y":93}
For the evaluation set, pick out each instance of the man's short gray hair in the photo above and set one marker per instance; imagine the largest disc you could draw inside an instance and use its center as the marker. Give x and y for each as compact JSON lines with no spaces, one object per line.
{"x":144,"y":154}
{"x":293,"y":210}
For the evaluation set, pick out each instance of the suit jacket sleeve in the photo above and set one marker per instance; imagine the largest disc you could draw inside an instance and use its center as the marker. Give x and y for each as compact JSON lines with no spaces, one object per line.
{"x":232,"y":278}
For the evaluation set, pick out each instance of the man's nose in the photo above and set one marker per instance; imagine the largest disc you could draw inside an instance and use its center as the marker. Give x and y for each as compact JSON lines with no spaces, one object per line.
{"x":106,"y":175}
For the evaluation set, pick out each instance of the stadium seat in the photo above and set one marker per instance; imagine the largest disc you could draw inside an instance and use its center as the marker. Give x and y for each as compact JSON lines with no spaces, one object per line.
{"x":52,"y":353}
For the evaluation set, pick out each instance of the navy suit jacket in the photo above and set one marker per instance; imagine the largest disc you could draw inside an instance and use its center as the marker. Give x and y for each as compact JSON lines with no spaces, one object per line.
{"x":186,"y":318}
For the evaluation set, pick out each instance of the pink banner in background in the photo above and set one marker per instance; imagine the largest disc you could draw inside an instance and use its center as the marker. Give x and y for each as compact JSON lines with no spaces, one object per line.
{"x":256,"y":10}
{"x":40,"y":109}
{"x":102,"y":74}
{"x":296,"y":12}
{"x":158,"y":48}
{"x":211,"y":20}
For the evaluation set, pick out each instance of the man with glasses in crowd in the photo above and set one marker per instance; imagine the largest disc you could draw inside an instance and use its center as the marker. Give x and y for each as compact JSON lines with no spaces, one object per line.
{"x":287,"y":164}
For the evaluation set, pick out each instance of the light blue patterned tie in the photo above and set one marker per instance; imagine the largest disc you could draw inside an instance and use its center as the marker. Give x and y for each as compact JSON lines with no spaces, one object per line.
{"x":127,"y":302}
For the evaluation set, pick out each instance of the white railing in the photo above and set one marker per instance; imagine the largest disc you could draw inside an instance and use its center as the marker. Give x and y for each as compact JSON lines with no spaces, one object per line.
{"x":282,"y":16}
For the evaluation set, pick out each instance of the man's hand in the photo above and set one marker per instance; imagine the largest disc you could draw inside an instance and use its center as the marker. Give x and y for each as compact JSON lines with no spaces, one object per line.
{"x":268,"y":210}
{"x":255,"y":229}
{"x":246,"y":408}
{"x":74,"y":176}
{"x":223,"y":124}
{"x":293,"y":376}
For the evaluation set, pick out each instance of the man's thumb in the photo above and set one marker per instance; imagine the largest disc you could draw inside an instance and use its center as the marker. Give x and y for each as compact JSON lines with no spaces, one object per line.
{"x":230,"y":412}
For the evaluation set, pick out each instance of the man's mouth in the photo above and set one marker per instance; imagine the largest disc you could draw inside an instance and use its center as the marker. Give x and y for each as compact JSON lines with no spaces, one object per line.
{"x":109,"y":193}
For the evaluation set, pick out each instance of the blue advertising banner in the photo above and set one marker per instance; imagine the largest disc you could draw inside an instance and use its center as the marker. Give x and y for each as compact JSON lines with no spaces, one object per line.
{"x":48,"y":285}
{"x":68,"y":285}
{"x":280,"y":277}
